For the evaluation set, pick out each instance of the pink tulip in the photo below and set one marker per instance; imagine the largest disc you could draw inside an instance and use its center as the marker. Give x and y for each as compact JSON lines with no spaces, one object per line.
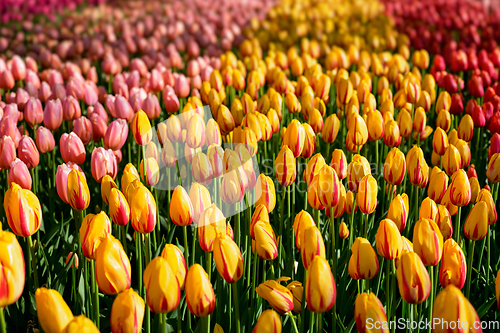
{"x":18,"y":68}
{"x":110,"y":65}
{"x":7,"y":81}
{"x":116,"y":134}
{"x":22,"y":97}
{"x":99,"y":127}
{"x":62,"y":173}
{"x":27,"y":152}
{"x":170,"y":99}
{"x":74,"y":87}
{"x":92,"y":75}
{"x":19,"y":174}
{"x":139,"y":65}
{"x":8,"y":125}
{"x":133,"y":79}
{"x":181,"y":86}
{"x":156,"y":82}
{"x":71,"y":108}
{"x":7,"y":151}
{"x":103,"y":162}
{"x":44,"y":140}
{"x":31,"y":89}
{"x":72,"y":148}
{"x":31,"y":64}
{"x":151,"y":106}
{"x":44,"y":92}
{"x":123,"y":109}
{"x":99,"y":110}
{"x":55,"y":77}
{"x":193,"y":68}
{"x":83,"y":128}
{"x":90,"y":93}
{"x":118,"y":155}
{"x":53,"y":114}
{"x":58,"y":91}
{"x":32,"y":77}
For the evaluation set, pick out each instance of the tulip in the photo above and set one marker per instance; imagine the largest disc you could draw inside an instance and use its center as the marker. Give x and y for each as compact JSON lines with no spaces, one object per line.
{"x":103,"y":162}
{"x":119,"y":209}
{"x":19,"y":174}
{"x":453,"y":266}
{"x":485,"y":195}
{"x":443,"y":220}
{"x":233,"y":185}
{"x":388,"y":240}
{"x":438,"y":186}
{"x":377,"y":126}
{"x":150,"y":174}
{"x":356,"y":170}
{"x":265,"y":193}
{"x":224,"y":119}
{"x":367,"y":194}
{"x":328,"y":187}
{"x":211,"y":224}
{"x":7,"y":151}
{"x":417,"y":167}
{"x":392,"y":135}
{"x":112,"y":266}
{"x":294,"y":137}
{"x":394,"y":167}
{"x":269,"y":322}
{"x":195,"y":137}
{"x":200,"y":295}
{"x":464,"y":151}
{"x":339,"y":163}
{"x":466,"y":128}
{"x":405,"y":123}
{"x":72,"y":148}
{"x":440,"y":141}
{"x":260,"y":214}
{"x":80,"y":324}
{"x":476,"y":224}
{"x":201,"y":168}
{"x":23,"y":210}
{"x":450,"y":306}
{"x":12,"y":262}
{"x":460,"y":192}
{"x":428,"y":241}
{"x":474,"y":188}
{"x":53,"y":312}
{"x":173,"y":255}
{"x":413,"y":280}
{"x":398,"y":211}
{"x":27,"y":152}
{"x":77,"y":190}
{"x":493,"y":170}
{"x":312,"y":245}
{"x":321,"y":290}
{"x":141,"y":128}
{"x":428,"y":209}
{"x":213,"y":135}
{"x":44,"y":140}
{"x":452,"y":161}
{"x":127,"y":312}
{"x":228,"y":259}
{"x":278,"y":296}
{"x":368,"y":308}
{"x":297,"y":291}
{"x":162,"y":286}
{"x":344,"y":91}
{"x":53,"y":114}
{"x":93,"y":228}
{"x":285,"y":166}
{"x":116,"y":134}
{"x":331,"y":128}
{"x":142,"y":210}
{"x":265,"y":241}
{"x":363,"y":263}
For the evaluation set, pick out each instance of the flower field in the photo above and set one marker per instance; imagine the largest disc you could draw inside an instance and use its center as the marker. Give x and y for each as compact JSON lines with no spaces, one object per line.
{"x":249,"y":166}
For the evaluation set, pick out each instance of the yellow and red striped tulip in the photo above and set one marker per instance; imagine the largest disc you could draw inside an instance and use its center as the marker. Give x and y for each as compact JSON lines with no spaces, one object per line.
{"x":452,"y":161}
{"x":142,"y":210}
{"x":376,"y":126}
{"x":200,"y":295}
{"x":428,"y":209}
{"x":464,"y":151}
{"x":398,"y":211}
{"x":213,"y":135}
{"x":119,"y":209}
{"x":173,"y":255}
{"x":52,"y":311}
{"x":225,"y":119}
{"x":294,"y":137}
{"x":343,"y":231}
{"x":112,"y":266}
{"x":265,"y":193}
{"x":413,"y":280}
{"x":313,"y":167}
{"x":428,"y":241}
{"x":493,"y":170}
{"x":417,"y":167}
{"x":363,"y":263}
{"x":94,"y":227}
{"x":485,"y":195}
{"x":443,"y":220}
{"x":297,"y":291}
{"x":80,"y":324}
{"x":460,"y":192}
{"x":260,"y":214}
{"x":312,"y":246}
{"x":107,"y":184}
{"x":359,"y":131}
{"x":367,"y":194}
{"x":388,"y":240}
{"x":181,"y":208}
{"x":466,"y":128}
{"x":369,"y":309}
{"x":278,"y":296}
{"x":266,"y":245}
{"x":284,"y":166}
{"x":127,"y":312}
{"x":233,"y":185}
{"x":344,"y":91}
{"x":195,"y":135}
{"x":215,"y":155}
{"x":303,"y":220}
{"x":321,"y":290}
{"x":475,"y":187}
{"x":228,"y":259}
{"x":440,"y":141}
{"x":23,"y":211}
{"x":12,"y":263}
{"x":394,"y":167}
{"x":162,"y":287}
{"x":212,"y":223}
{"x":141,"y":128}
{"x":150,"y":173}
{"x":200,"y":200}
{"x":405,"y":123}
{"x":328,"y":187}
{"x":269,"y":322}
{"x":339,"y":163}
{"x":78,"y":190}
{"x":330,"y":128}
{"x":476,"y":224}
{"x":453,"y":265}
{"x":437,"y":186}
{"x":356,"y":170}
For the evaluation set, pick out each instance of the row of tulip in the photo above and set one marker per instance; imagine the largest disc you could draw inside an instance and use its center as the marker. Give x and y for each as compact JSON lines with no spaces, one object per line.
{"x":324,"y":146}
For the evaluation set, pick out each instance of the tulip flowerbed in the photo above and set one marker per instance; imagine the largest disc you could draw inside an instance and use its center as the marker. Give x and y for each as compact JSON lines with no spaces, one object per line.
{"x":250,"y":166}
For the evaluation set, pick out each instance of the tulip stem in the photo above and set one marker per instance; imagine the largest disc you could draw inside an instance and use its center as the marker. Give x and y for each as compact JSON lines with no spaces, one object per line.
{"x":124,"y":238}
{"x":179,"y":321}
{"x":138,"y":258}
{"x":236,"y":308}
{"x":303,"y":310}
{"x":311,"y":323}
{"x":388,"y":289}
{"x":282,"y":211}
{"x":186,"y":246}
{"x":294,"y":324}
{"x":32,"y":261}
{"x":457,"y":229}
{"x":319,"y":322}
{"x":3,"y":326}
{"x":95,"y":292}
{"x":470,"y":256}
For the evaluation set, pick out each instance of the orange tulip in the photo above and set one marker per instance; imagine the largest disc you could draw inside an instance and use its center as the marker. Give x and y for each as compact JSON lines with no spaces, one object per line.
{"x":460,"y":192}
{"x":330,"y":128}
{"x":13,"y":269}
{"x":312,"y":246}
{"x":388,"y":240}
{"x":367,"y":194}
{"x":173,"y":255}
{"x":356,"y":170}
{"x":200,"y":295}
{"x":127,"y":312}
{"x":321,"y":290}
{"x":398,"y":211}
{"x":78,"y":190}
{"x":284,"y":166}
{"x":394,"y":167}
{"x":443,"y":220}
{"x":112,"y":267}
{"x":303,"y":220}
{"x":328,"y":186}
{"x":413,"y":280}
{"x":278,"y":296}
{"x":142,"y":210}
{"x":428,"y":209}
{"x":453,"y":265}
{"x":269,"y":322}
{"x":368,"y":309}
{"x":485,"y":195}
{"x":438,"y":186}
{"x":93,"y":229}
{"x":363,"y":263}
{"x":181,"y":208}
{"x":265,"y":241}
{"x":23,"y":211}
{"x":476,"y":224}
{"x":141,"y":128}
{"x":212,"y":223}
{"x":428,"y":241}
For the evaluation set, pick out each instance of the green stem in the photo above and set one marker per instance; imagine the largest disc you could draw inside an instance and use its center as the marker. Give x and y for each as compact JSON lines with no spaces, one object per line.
{"x":3,"y":326}
{"x":470,"y":256}
{"x":186,"y":246}
{"x":236,"y":307}
{"x":319,"y":321}
{"x":282,"y":209}
{"x":179,"y":320}
{"x":124,"y":238}
{"x":33,"y":261}
{"x":457,"y":229}
{"x":351,"y":224}
{"x":311,"y":322}
{"x":303,"y":311}
{"x":292,"y":319}
{"x":433,"y":292}
{"x":95,"y":293}
{"x":388,"y":288}
{"x":138,"y":258}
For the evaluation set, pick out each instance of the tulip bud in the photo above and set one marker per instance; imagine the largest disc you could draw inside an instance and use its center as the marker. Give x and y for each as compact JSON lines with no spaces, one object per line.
{"x":452,"y":161}
{"x":392,"y":136}
{"x":112,"y":266}
{"x":438,"y":186}
{"x":173,"y":255}
{"x":116,"y":134}
{"x":330,"y":129}
{"x":77,"y":190}
{"x":53,"y":312}
{"x":23,"y":210}
{"x":80,"y":324}
{"x":228,"y":259}
{"x":493,"y":170}
{"x":363,"y":263}
{"x":388,"y":240}
{"x":460,"y":191}
{"x":428,"y":241}
{"x":413,"y":280}
{"x":476,"y":224}
{"x":162,"y":288}
{"x":200,"y":295}
{"x":356,"y":170}
{"x":466,"y":128}
{"x":266,"y":245}
{"x":450,"y":305}
{"x":367,"y":194}
{"x":141,"y":128}
{"x":312,"y":246}
{"x":344,"y":91}
{"x":453,"y":266}
{"x":398,"y":211}
{"x":368,"y":308}
{"x":94,"y":228}
{"x":328,"y":187}
{"x":278,"y":296}
{"x":285,"y":166}
{"x":428,"y":209}
{"x":142,"y":209}
{"x":297,"y":291}
{"x":225,"y":120}
{"x":127,"y":312}
{"x":72,"y":148}
{"x":44,"y":140}
{"x":12,"y":262}
{"x":211,"y":224}
{"x":321,"y":290}
{"x":269,"y":322}
{"x":394,"y":167}
{"x":265,"y":193}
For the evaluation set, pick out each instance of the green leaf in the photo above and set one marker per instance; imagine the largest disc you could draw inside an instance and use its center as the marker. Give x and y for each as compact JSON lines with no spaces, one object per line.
{"x":483,"y":309}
